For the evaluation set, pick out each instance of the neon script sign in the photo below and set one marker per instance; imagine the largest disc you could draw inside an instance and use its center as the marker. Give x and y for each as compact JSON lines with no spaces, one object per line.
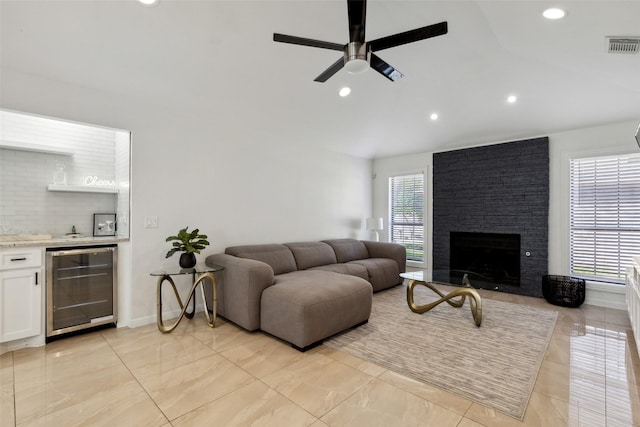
{"x":94,"y":181}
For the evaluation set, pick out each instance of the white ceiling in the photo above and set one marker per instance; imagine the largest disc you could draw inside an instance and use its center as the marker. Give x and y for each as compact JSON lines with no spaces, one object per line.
{"x":217,"y":58}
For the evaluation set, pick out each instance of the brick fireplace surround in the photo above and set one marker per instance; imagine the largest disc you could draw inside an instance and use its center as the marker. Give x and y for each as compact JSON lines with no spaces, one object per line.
{"x":502,"y":188}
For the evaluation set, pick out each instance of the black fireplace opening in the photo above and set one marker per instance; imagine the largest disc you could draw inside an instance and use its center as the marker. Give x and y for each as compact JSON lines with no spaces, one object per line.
{"x":489,"y":259}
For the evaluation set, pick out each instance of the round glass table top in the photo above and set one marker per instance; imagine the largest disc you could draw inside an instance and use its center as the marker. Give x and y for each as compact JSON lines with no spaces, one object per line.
{"x":414,"y":275}
{"x":177,"y":270}
{"x":457,"y":278}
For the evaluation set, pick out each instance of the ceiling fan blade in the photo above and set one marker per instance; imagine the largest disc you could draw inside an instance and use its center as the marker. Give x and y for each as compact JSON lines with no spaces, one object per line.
{"x":409,"y":36}
{"x":334,"y":68}
{"x":357,"y":10}
{"x":283,"y":38}
{"x":385,"y":69}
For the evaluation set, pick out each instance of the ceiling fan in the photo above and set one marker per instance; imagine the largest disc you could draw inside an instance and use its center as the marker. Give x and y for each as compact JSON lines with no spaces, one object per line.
{"x":358,"y":54}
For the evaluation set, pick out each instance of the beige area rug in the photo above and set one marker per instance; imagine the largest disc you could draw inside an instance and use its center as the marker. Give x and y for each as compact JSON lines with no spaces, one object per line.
{"x":495,"y":365}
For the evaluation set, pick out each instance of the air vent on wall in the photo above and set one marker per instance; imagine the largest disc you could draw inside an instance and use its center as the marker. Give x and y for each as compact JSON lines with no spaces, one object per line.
{"x":623,"y":44}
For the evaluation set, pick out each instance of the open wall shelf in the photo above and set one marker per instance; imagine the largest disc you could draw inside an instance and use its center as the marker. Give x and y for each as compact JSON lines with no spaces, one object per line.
{"x":36,"y":148}
{"x":81,"y":189}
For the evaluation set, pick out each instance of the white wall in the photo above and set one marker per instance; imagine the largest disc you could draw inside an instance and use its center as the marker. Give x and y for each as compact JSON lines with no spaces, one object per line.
{"x":191,"y":169}
{"x":122,"y":176}
{"x":611,"y":139}
{"x":602,"y":140}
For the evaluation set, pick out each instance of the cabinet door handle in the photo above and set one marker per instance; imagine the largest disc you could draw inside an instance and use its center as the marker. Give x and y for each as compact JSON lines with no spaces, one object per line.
{"x":36,"y":278}
{"x":18,"y":259}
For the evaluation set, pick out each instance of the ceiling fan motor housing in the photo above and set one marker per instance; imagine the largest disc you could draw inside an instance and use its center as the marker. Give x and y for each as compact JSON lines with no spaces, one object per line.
{"x":356,"y":57}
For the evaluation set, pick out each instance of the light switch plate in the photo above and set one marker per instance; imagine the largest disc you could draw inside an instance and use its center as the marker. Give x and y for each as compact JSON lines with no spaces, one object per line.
{"x":150,"y":222}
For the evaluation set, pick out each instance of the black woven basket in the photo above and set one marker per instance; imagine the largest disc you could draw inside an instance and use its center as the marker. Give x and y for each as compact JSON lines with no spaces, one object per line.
{"x":563,"y":290}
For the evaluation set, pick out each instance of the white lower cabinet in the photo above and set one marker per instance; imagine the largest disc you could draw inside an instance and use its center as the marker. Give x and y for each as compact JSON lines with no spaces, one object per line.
{"x":21,"y":285}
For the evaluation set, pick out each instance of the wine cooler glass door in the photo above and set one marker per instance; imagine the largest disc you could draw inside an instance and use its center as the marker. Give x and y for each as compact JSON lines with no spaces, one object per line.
{"x":80,"y":289}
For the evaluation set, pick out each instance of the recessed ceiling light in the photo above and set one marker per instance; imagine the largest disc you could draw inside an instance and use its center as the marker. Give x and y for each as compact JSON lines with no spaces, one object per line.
{"x":344,"y":91}
{"x":148,"y":2}
{"x":434,"y":116}
{"x":511,"y":99}
{"x":554,"y":13}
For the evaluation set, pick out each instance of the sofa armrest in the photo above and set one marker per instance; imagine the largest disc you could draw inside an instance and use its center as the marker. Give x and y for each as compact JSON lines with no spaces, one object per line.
{"x":394,"y":251}
{"x":240,"y":287}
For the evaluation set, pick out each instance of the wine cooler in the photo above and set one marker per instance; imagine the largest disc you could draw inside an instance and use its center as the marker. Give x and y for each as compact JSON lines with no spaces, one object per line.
{"x":81,"y":288}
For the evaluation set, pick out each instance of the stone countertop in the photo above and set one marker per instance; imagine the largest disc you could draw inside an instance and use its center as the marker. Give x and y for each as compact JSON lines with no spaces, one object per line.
{"x":63,"y":241}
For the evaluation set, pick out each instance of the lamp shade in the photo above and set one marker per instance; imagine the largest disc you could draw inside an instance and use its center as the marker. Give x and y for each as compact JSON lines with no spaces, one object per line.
{"x":374,"y":224}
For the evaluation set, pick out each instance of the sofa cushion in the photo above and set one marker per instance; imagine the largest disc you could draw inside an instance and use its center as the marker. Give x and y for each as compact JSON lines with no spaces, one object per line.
{"x":348,"y":268}
{"x":311,"y":254}
{"x":348,"y":249}
{"x":278,"y":257}
{"x":383,"y":272}
{"x":304,"y":307}
{"x":393,"y":251}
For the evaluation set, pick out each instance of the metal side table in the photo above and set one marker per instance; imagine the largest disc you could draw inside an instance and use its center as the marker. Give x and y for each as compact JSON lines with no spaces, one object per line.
{"x":199,"y":274}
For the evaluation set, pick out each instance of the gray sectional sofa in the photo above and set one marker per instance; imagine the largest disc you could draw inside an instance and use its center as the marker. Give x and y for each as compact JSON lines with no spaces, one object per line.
{"x":304,"y":292}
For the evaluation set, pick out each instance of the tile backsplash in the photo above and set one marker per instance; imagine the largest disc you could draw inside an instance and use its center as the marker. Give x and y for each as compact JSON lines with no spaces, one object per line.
{"x":26,"y":205}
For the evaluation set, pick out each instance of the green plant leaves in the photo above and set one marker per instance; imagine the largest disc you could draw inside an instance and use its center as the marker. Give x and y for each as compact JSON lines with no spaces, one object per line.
{"x":189,"y":242}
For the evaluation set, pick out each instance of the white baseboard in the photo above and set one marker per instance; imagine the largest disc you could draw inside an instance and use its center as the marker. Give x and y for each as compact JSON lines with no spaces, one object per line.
{"x":146,"y":320}
{"x":37,"y":341}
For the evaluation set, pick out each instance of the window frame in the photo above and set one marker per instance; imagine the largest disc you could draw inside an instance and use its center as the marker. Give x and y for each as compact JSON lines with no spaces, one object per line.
{"x":579,"y":235}
{"x":419,"y":240}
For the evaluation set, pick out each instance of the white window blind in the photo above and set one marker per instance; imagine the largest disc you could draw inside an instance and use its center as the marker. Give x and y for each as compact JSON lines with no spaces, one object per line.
{"x":604,"y":216}
{"x":406,"y":194}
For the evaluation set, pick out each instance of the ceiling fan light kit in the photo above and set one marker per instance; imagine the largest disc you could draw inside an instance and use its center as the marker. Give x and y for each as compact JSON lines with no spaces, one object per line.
{"x":358,"y":54}
{"x":356,"y":58}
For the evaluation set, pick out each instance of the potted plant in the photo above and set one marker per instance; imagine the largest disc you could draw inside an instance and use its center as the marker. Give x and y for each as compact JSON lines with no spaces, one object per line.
{"x":188,"y":242}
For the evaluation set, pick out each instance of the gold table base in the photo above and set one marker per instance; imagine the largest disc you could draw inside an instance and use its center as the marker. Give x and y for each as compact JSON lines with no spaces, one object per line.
{"x":475,"y":302}
{"x":211,"y":320}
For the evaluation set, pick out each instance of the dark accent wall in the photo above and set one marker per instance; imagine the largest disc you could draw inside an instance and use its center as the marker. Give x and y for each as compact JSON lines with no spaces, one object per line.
{"x":502,"y":188}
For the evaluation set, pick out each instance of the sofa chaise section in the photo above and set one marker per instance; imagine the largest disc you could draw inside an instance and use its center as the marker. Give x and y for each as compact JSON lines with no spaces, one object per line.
{"x":305,"y":307}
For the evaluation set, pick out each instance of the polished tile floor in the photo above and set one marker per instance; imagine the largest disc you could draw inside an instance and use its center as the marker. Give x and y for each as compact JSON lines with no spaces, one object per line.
{"x":197,"y":376}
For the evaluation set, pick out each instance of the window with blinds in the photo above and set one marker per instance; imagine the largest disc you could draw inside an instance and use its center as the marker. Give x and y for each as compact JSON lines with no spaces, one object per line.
{"x":604,"y":216}
{"x":406,"y":216}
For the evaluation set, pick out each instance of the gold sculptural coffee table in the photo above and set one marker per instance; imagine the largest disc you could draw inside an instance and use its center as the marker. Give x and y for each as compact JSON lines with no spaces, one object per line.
{"x":417,"y":278}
